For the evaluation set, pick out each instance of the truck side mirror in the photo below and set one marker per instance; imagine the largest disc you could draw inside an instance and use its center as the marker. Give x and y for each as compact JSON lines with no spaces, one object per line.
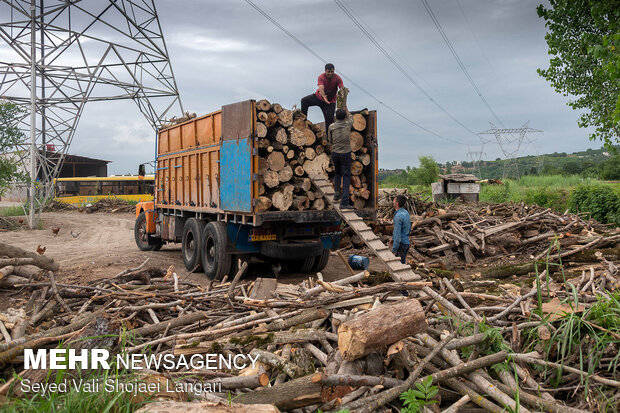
{"x":141,"y":170}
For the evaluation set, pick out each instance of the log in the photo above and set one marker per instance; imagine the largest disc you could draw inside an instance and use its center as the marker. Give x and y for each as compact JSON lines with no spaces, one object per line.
{"x":38,"y":260}
{"x":276,"y":107}
{"x":285,"y":118}
{"x":271,"y":178}
{"x":317,"y":167}
{"x":6,"y":271}
{"x":28,"y":271}
{"x":283,"y":199}
{"x":261,"y":186}
{"x":290,"y":154}
{"x":299,"y":123}
{"x":262,"y":166}
{"x":319,"y":149}
{"x":264,"y":203}
{"x":357,"y":141}
{"x":359,"y":203}
{"x":310,"y":153}
{"x":378,"y":328}
{"x":205,"y":406}
{"x":318,"y":204}
{"x":12,"y":280}
{"x":297,"y":136}
{"x":261,"y":116}
{"x":285,"y":174}
{"x":299,"y":171}
{"x":286,"y":396}
{"x":260,"y":130}
{"x":356,"y":168}
{"x":311,"y":196}
{"x":281,"y":136}
{"x":276,"y":162}
{"x":272,"y":119}
{"x":302,"y":184}
{"x":309,"y":137}
{"x":359,"y":122}
{"x":263,"y":143}
{"x":364,"y":159}
{"x":263,"y":105}
{"x":15,"y":261}
{"x":365,"y":193}
{"x":356,"y":182}
{"x":300,"y":203}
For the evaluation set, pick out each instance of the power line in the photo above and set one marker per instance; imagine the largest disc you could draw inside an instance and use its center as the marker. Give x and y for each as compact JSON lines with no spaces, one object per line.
{"x":458,"y":59}
{"x":355,"y":21}
{"x":315,"y":54}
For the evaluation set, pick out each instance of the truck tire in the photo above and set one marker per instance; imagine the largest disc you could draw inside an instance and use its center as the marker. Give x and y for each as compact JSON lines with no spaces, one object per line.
{"x":191,"y":242}
{"x":303,"y":265}
{"x":320,"y":261}
{"x":293,"y":250}
{"x":215,"y":261}
{"x":143,"y":240}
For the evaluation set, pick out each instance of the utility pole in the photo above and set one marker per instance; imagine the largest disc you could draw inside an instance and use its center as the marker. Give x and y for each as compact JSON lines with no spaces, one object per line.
{"x":33,"y":115}
{"x":510,"y":144}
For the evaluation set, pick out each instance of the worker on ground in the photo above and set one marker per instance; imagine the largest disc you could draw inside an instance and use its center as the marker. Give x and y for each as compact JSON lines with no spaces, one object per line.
{"x":339,"y":137}
{"x":402,"y":227}
{"x":325,"y":96}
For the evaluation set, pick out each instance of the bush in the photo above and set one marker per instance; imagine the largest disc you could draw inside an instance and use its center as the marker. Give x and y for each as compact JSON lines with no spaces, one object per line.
{"x":546,"y":197}
{"x":601,"y":202}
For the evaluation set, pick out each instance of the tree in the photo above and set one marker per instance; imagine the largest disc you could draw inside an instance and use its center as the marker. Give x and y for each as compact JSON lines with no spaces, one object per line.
{"x":584,"y":39}
{"x":428,"y":171}
{"x":10,"y":136}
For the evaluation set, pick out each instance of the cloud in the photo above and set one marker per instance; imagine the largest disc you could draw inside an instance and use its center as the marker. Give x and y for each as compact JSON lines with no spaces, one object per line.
{"x":203,"y":43}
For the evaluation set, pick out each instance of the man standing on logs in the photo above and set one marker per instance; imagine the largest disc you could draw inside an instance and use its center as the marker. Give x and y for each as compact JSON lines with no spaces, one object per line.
{"x":325,"y":95}
{"x":402,"y":227}
{"x":339,"y":138}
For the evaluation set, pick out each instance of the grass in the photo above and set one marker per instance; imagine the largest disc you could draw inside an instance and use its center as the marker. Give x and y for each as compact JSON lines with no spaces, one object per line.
{"x":12,"y":211}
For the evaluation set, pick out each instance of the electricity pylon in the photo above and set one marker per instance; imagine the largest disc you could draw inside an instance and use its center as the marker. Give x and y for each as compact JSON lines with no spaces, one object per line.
{"x":63,"y":54}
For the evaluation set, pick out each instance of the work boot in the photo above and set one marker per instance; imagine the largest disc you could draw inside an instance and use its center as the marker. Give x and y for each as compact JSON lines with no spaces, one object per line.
{"x":337,"y":196}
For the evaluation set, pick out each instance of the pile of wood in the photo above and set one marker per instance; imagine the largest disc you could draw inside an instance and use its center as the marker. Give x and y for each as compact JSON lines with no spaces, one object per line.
{"x":415,"y":203}
{"x":355,"y":344}
{"x":463,"y":234}
{"x":110,"y":205}
{"x":18,"y":266}
{"x":292,"y":149}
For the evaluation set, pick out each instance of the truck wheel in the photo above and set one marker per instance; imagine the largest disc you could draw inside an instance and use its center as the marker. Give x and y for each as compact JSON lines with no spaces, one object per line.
{"x":292,"y":250}
{"x":190,"y":244}
{"x":143,"y":240}
{"x":303,"y":265}
{"x":215,"y":261}
{"x":320,"y":261}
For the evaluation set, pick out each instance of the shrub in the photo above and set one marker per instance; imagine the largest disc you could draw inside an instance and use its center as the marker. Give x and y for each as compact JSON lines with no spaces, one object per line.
{"x":601,"y":202}
{"x":546,"y":197}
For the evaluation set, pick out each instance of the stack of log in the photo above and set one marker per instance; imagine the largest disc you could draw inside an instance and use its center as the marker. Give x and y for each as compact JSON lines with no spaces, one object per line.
{"x":356,"y":343}
{"x":415,"y":203}
{"x":292,"y":150}
{"x":18,"y":266}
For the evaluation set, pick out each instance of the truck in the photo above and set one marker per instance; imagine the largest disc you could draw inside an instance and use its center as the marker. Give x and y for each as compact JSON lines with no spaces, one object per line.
{"x":206,"y":196}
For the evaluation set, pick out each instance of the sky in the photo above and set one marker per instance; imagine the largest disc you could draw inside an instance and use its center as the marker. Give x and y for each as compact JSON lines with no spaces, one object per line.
{"x":224,"y":52}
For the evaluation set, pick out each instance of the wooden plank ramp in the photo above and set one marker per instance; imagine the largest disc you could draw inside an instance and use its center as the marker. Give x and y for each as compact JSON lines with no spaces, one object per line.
{"x":399,"y":271}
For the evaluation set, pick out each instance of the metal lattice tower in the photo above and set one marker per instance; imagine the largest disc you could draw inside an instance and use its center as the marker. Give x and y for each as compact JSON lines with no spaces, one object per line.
{"x":62,"y":54}
{"x":476,"y":157}
{"x":509,"y":141}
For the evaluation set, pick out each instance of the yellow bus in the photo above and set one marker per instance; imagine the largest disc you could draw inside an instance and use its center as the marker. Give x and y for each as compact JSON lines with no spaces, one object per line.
{"x":89,"y":190}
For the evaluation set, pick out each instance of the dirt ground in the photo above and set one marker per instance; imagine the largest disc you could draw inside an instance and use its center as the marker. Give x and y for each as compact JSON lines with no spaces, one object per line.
{"x":105,"y":246}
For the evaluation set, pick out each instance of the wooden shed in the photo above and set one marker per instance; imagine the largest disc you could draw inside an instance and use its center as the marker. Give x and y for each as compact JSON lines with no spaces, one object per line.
{"x":462,"y":186}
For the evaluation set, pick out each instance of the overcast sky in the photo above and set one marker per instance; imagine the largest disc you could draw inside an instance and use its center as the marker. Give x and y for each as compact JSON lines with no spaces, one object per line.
{"x":225,"y":51}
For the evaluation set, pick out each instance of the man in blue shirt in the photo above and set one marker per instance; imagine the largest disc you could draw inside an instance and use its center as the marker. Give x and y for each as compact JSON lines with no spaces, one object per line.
{"x":402,"y":227}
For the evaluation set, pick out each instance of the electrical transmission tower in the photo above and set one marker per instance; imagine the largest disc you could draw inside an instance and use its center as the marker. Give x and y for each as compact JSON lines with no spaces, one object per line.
{"x":509,"y":141}
{"x":476,"y":157}
{"x":58,"y":55}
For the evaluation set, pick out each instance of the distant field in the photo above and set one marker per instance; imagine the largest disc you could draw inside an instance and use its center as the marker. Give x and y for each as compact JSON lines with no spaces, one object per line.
{"x":551,"y":191}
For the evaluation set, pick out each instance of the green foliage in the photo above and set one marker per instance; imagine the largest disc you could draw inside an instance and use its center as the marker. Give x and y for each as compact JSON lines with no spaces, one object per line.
{"x":423,"y":395}
{"x":12,"y":211}
{"x":584,"y":37}
{"x":547,"y":197}
{"x":427,"y":172}
{"x":601,"y":202}
{"x":610,"y":169}
{"x":10,"y":136}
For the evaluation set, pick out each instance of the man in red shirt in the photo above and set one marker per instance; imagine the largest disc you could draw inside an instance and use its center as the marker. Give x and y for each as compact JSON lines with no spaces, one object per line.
{"x":325,"y":96}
